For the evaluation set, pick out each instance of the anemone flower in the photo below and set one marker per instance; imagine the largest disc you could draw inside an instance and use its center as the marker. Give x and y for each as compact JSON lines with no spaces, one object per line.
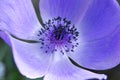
{"x":85,"y":31}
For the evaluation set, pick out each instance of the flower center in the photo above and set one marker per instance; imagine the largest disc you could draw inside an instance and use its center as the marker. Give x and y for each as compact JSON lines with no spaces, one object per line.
{"x":58,"y":34}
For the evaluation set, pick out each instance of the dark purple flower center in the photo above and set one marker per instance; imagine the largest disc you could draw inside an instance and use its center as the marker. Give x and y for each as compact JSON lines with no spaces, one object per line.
{"x":58,"y":34}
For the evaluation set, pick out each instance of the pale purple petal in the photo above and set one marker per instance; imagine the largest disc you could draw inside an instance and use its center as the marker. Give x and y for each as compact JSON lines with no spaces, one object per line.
{"x":99,"y":36}
{"x":73,"y":10}
{"x":101,"y":19}
{"x":5,"y":37}
{"x":63,"y":69}
{"x":29,"y":58}
{"x":18,"y":18}
{"x":99,"y":54}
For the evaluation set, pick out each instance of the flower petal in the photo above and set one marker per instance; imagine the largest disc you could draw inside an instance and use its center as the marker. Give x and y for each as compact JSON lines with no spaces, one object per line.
{"x":18,"y":17}
{"x":73,"y":10}
{"x":101,"y":19}
{"x":30,"y":60}
{"x":99,"y":54}
{"x":63,"y":69}
{"x":5,"y":37}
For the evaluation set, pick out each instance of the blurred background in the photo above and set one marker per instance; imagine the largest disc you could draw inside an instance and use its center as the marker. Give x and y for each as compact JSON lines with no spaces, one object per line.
{"x":9,"y":71}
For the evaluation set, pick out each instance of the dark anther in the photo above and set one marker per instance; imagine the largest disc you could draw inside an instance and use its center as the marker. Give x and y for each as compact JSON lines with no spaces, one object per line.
{"x":49,"y":21}
{"x":41,"y":47}
{"x":64,"y":19}
{"x":54,"y":27}
{"x":62,"y":52}
{"x":46,"y":51}
{"x":67,"y":50}
{"x":38,"y":35}
{"x":72,"y":50}
{"x":59,"y":18}
{"x":76,"y":33}
{"x":73,"y":46}
{"x":42,"y":30}
{"x":55,"y":50}
{"x":42,"y":43}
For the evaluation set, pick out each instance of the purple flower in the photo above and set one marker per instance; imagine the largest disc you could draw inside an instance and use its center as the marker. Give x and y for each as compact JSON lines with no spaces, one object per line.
{"x":87,"y":31}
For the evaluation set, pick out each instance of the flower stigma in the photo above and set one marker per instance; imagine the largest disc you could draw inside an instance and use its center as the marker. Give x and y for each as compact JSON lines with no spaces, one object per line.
{"x":58,"y":34}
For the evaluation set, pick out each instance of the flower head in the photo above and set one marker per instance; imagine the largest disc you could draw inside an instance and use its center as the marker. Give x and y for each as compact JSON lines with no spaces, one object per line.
{"x":87,"y":31}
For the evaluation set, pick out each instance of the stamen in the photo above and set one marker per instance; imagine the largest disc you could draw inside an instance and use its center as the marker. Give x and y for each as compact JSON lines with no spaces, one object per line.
{"x":58,"y":34}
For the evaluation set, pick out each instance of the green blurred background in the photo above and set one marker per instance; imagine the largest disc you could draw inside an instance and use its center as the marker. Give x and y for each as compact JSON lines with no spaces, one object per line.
{"x":9,"y":71}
